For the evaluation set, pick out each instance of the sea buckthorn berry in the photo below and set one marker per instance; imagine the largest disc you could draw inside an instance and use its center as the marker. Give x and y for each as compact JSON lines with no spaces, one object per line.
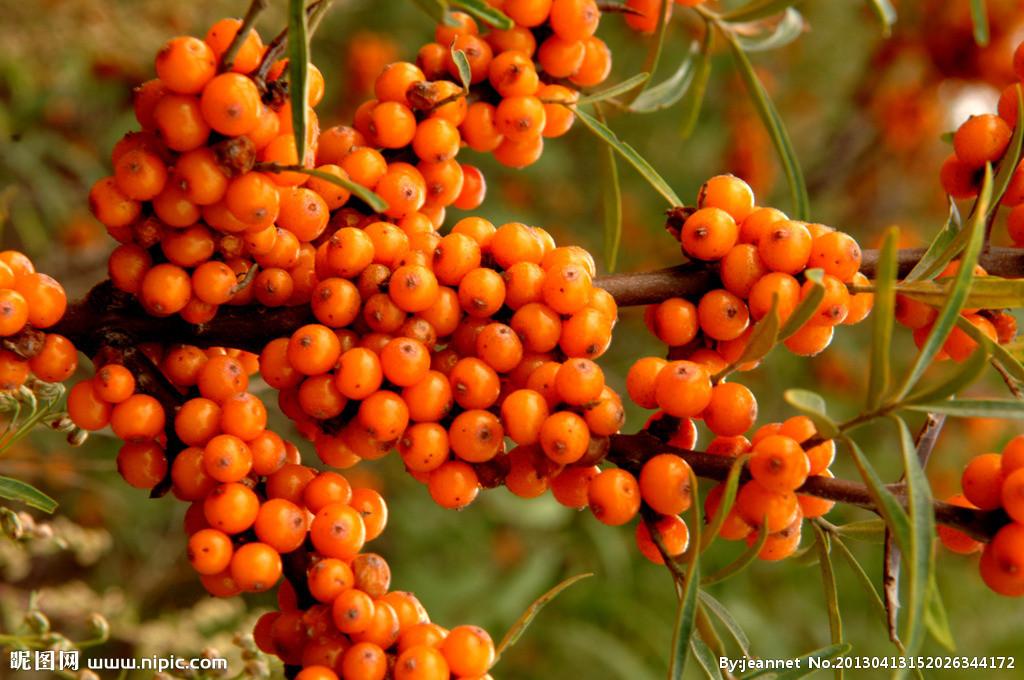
{"x":512,"y":73}
{"x":1013,"y":455}
{"x":114,"y":383}
{"x":564,"y":437}
{"x":1013,"y":495}
{"x":394,"y":81}
{"x":180,"y":122}
{"x":982,"y":481}
{"x":784,"y":286}
{"x":641,"y":381}
{"x":227,"y":458}
{"x":785,"y":246}
{"x":569,"y":487}
{"x":731,"y":411}
{"x":109,"y":204}
{"x":384,"y":415}
{"x":560,"y":58}
{"x":252,"y":198}
{"x":142,"y":464}
{"x":424,"y":446}
{"x":645,"y":18}
{"x":313,"y":349}
{"x":523,"y":412}
{"x":256,"y":567}
{"x":779,"y":544}
{"x":209,"y":551}
{"x":574,"y":19}
{"x":597,"y":63}
{"x":757,"y":222}
{"x":558,"y":118}
{"x":955,"y":540}
{"x":529,"y":471}
{"x":614,"y":496}
{"x":481,"y":292}
{"x":757,"y":505}
{"x":222,"y":376}
{"x":729,"y":193}
{"x":523,"y":284}
{"x":520,"y":118}
{"x":722,"y":315}
{"x":476,"y":436}
{"x":981,"y":139}
{"x":809,"y":340}
{"x":140,"y":174}
{"x":959,"y":345}
{"x":1002,"y":561}
{"x":474,"y":383}
{"x":579,"y":381}
{"x":231,"y":507}
{"x":454,"y":484}
{"x":499,"y":346}
{"x":404,"y":361}
{"x":413,"y":288}
{"x":515,"y":242}
{"x":835,"y":304}
{"x":478,"y":53}
{"x":538,"y":326}
{"x":14,"y":371}
{"x":958,"y":179}
{"x":733,"y":527}
{"x":325,"y":488}
{"x":230,"y":104}
{"x":708,"y":234}
{"x":566,"y":289}
{"x":779,"y":464}
{"x":337,"y":530}
{"x":675,"y":536}
{"x":836,"y":253}
{"x":469,"y":651}
{"x":185,"y":64}
{"x":479,"y":128}
{"x":665,"y":484}
{"x":682,"y":388}
{"x":57,"y":361}
{"x":374,"y":511}
{"x":140,"y":417}
{"x":443,"y":180}
{"x":14,"y":311}
{"x":741,"y":268}
{"x":363,"y":660}
{"x":243,"y":415}
{"x":220,"y":37}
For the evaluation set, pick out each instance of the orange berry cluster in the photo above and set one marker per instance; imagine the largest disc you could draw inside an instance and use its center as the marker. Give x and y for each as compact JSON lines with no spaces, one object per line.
{"x":998,"y":325}
{"x":30,"y":302}
{"x":995,"y":481}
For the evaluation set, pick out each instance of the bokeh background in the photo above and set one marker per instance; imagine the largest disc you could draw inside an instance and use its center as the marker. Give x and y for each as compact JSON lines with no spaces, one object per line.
{"x":866,"y":113}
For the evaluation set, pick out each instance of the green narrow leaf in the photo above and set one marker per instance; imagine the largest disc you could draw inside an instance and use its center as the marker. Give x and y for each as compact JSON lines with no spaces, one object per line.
{"x":946,"y":319}
{"x":979,"y":15}
{"x":732,"y":482}
{"x":371,"y":199}
{"x":630,"y":154}
{"x":693,"y":96}
{"x":801,"y":664}
{"x":758,"y":9}
{"x":974,"y":408}
{"x":462,"y":65}
{"x":611,"y":205}
{"x":807,"y":306}
{"x":739,"y":564}
{"x":885,"y":13}
{"x":435,"y":9}
{"x":615,"y":90}
{"x":865,"y":531}
{"x":298,"y":73}
{"x":828,"y":579}
{"x":478,"y":9}
{"x":707,"y":660}
{"x":862,"y":578}
{"x":985,"y":292}
{"x":939,"y":252}
{"x":775,"y":127}
{"x":15,"y":490}
{"x":812,"y":405}
{"x":685,"y":619}
{"x":731,"y":624}
{"x":516,"y":631}
{"x":885,"y":502}
{"x":884,"y":318}
{"x":964,"y":375}
{"x":762,"y":340}
{"x":672,"y":89}
{"x":919,"y":562}
{"x":935,"y":618}
{"x":785,"y":32}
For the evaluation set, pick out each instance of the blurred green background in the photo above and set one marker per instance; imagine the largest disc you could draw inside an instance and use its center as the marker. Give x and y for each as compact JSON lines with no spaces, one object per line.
{"x":865,"y":114}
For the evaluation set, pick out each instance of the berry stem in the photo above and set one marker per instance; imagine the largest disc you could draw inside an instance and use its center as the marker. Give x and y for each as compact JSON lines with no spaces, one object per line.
{"x":227,"y":60}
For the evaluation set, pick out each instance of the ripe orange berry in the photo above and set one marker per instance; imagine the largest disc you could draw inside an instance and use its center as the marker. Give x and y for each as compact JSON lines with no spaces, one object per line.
{"x":981,"y":139}
{"x":756,"y":505}
{"x":614,"y":496}
{"x":185,"y":64}
{"x":665,"y":484}
{"x":454,"y":484}
{"x":779,"y":464}
{"x":469,"y":651}
{"x":682,"y":388}
{"x":674,"y":534}
{"x":982,"y":481}
{"x":209,"y":551}
{"x":256,"y":567}
{"x":231,"y":507}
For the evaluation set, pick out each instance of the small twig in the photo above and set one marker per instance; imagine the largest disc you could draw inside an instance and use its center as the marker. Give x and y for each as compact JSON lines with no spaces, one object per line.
{"x":227,"y":60}
{"x":1011,"y":382}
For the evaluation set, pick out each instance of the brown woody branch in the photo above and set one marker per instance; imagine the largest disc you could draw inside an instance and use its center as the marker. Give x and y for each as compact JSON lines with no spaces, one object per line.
{"x":108,"y":319}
